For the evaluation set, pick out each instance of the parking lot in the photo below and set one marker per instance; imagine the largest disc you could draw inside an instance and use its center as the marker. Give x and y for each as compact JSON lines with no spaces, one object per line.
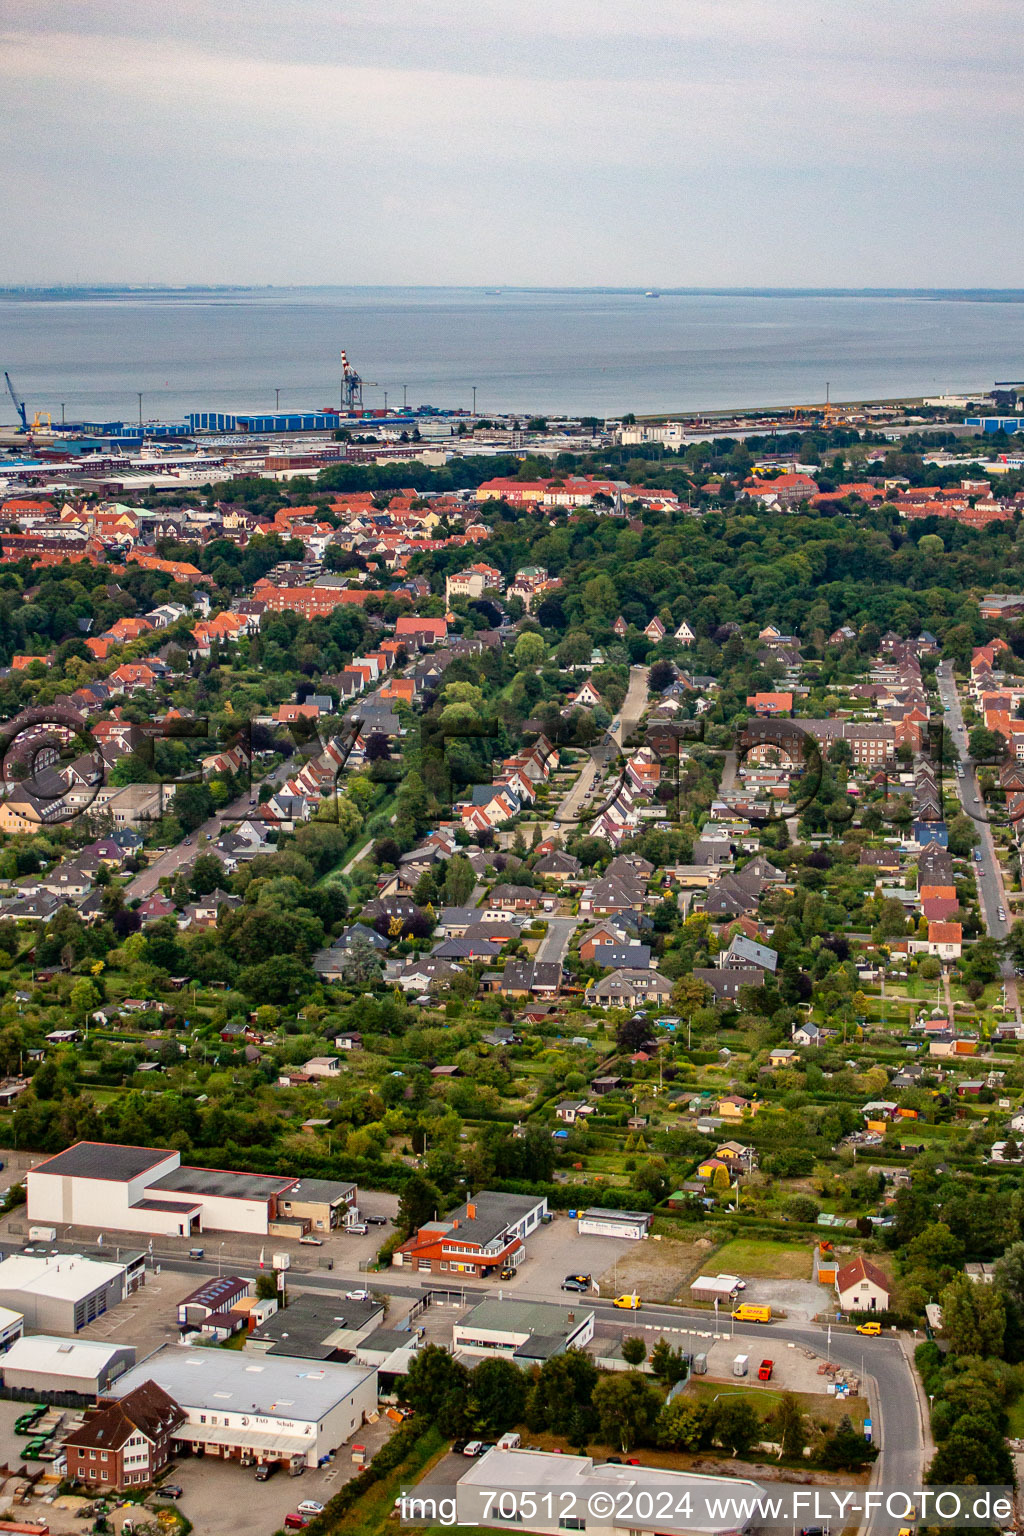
{"x":557,"y":1250}
{"x":222,"y":1498}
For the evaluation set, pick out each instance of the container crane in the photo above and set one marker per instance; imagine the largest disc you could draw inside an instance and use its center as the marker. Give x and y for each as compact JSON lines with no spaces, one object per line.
{"x":351,"y":386}
{"x":19,"y":405}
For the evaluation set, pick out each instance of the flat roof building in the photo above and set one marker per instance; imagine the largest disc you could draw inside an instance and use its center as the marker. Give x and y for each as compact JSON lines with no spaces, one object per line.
{"x":48,"y":1366}
{"x":147,"y":1189}
{"x":597,"y":1222}
{"x":60,"y":1293}
{"x":317,"y":1327}
{"x":528,"y":1332}
{"x":272,"y":1408}
{"x":522,"y":1472}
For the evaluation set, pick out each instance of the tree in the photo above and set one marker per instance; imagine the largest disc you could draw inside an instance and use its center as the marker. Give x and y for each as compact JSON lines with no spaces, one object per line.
{"x":682,"y":1424}
{"x":985,"y":745}
{"x":564,"y":1382}
{"x":420,"y":1201}
{"x":844,"y":1450}
{"x":668,"y":1364}
{"x":689,"y":993}
{"x":459,"y":881}
{"x":266,"y":1287}
{"x":736,"y":1424}
{"x":192,"y":805}
{"x":632,"y":1033}
{"x":433,"y":1376}
{"x":790,"y":1426}
{"x":84,"y":997}
{"x":497,"y":1391}
{"x":132,"y":769}
{"x":973,"y":1317}
{"x":208,"y":874}
{"x":626,"y":1406}
{"x":530,"y":650}
{"x":634,"y":1350}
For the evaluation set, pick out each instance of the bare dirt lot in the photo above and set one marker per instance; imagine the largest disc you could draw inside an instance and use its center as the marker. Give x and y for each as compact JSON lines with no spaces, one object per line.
{"x":657,"y":1271}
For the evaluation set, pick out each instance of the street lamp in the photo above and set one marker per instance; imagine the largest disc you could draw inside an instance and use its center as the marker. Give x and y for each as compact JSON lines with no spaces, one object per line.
{"x":220,"y":1256}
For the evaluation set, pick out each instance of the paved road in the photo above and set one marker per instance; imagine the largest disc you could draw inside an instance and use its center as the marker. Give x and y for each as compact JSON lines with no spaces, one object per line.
{"x":607,"y":749}
{"x":184,"y":852}
{"x":881,"y":1362}
{"x":555,"y":943}
{"x":991,"y":892}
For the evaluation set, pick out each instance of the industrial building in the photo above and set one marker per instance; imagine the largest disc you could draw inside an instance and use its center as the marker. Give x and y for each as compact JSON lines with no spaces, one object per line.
{"x":273,"y":1409}
{"x":147,"y":1189}
{"x":617,"y":1488}
{"x":528,"y":1332}
{"x":317,"y":1327}
{"x":12,"y":1326}
{"x":217,"y":1295}
{"x":60,"y":1293}
{"x":597,"y":1222}
{"x":47,"y":1366}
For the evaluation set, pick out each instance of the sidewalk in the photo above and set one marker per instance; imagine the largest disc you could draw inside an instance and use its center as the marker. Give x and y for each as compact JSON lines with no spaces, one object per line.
{"x":908,"y":1345}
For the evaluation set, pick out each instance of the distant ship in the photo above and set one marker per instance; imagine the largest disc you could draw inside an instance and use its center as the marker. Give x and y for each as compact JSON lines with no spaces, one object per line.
{"x":652,"y":293}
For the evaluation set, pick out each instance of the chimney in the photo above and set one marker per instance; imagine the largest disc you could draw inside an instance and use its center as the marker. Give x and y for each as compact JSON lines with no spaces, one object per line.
{"x":455,"y":1223}
{"x":471,"y":1211}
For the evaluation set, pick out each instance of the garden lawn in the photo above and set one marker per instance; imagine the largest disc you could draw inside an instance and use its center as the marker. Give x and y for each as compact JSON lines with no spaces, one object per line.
{"x":751,"y":1259}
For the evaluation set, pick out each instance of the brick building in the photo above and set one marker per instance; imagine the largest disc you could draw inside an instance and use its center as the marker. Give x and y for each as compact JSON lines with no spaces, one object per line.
{"x":126,"y":1443}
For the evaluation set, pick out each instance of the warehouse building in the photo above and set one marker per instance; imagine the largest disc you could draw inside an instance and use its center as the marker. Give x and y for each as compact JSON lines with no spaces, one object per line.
{"x":277,"y":1410}
{"x":12,"y":1326}
{"x":317,"y":1327}
{"x":148,"y":1189}
{"x":720,"y":1288}
{"x":48,"y":1367}
{"x":528,"y":1332}
{"x":600,"y":1223}
{"x":60,"y":1293}
{"x":606,"y":1495}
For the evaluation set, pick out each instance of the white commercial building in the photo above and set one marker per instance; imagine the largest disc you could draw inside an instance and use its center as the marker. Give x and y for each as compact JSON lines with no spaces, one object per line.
{"x":12,"y":1326}
{"x":61,"y":1293}
{"x":528,"y":1332}
{"x":637,"y":1499}
{"x":600,"y":1223}
{"x":273,"y":1408}
{"x":146,"y":1189}
{"x":48,"y":1365}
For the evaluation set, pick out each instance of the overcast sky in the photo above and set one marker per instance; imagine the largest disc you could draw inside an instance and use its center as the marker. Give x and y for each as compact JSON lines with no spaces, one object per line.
{"x":663,"y":142}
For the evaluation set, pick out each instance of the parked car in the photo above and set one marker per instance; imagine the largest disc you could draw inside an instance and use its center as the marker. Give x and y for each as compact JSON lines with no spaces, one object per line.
{"x":765,"y":1369}
{"x":631,"y":1302}
{"x":472,"y":1448}
{"x":312,"y":1242}
{"x":376,"y":1221}
{"x":169,"y":1491}
{"x":265,"y":1471}
{"x":296,"y":1521}
{"x":359,"y":1228}
{"x":310,"y":1507}
{"x":362,"y":1295}
{"x":577,"y":1283}
{"x":871,"y":1329}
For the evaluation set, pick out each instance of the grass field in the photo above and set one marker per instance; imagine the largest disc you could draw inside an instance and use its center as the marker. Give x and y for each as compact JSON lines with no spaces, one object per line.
{"x":819,"y":1407}
{"x":763,"y":1261}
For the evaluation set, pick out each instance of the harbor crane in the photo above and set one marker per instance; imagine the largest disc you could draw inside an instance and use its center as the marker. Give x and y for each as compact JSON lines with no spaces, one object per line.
{"x":19,"y":405}
{"x":351,"y":386}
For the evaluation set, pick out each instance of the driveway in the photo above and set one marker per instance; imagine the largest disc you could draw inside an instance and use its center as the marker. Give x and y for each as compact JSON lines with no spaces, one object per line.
{"x":555,"y":943}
